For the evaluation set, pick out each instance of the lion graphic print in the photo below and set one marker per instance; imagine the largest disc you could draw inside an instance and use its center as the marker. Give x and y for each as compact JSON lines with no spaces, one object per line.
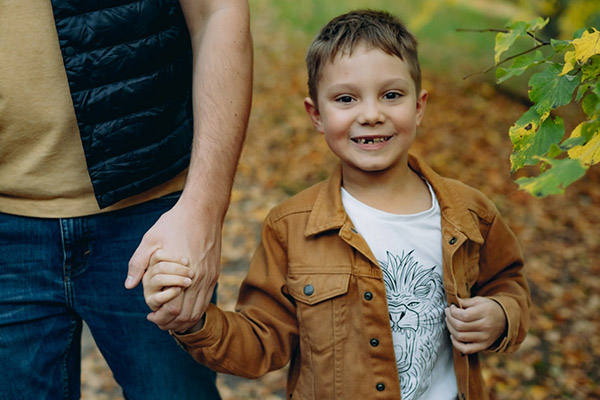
{"x":416,"y":301}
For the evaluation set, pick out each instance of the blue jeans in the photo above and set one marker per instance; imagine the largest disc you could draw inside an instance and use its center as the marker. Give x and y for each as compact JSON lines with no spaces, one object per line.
{"x":56,"y":273}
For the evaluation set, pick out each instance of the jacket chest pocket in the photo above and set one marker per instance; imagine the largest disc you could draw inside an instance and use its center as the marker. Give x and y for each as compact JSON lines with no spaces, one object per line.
{"x":321,"y":305}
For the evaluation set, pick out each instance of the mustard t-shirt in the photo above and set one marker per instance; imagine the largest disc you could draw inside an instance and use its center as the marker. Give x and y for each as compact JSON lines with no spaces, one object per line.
{"x":43,"y":170}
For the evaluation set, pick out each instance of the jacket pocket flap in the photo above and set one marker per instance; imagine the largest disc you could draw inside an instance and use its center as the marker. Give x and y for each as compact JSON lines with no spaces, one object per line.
{"x":312,"y":288}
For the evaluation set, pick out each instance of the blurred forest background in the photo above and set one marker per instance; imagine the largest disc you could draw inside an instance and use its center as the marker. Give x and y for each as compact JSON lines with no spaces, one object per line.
{"x":464,"y":136}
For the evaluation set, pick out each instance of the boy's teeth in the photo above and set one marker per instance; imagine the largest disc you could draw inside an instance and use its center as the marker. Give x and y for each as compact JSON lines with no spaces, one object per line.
{"x":370,"y":140}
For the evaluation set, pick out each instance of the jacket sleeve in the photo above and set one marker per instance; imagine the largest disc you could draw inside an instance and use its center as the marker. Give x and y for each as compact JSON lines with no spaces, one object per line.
{"x":502,"y":279}
{"x":263,"y":332}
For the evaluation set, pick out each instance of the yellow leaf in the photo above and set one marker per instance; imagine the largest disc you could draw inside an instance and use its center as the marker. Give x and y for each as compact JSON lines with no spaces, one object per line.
{"x":588,"y":153}
{"x":587,"y":46}
{"x":570,"y":61}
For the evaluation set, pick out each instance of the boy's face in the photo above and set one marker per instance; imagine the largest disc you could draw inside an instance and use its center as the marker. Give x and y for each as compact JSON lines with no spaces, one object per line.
{"x":368,"y":109}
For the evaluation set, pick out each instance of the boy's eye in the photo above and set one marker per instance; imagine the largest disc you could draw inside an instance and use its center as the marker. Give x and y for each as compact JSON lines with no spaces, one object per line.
{"x":344,"y":99}
{"x":392,"y":95}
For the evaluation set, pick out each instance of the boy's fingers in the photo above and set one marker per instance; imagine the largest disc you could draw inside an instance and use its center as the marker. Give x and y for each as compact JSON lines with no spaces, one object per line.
{"x":162,"y":255}
{"x":171,"y":268}
{"x":168,"y":280}
{"x":464,"y":314}
{"x":455,"y":320}
{"x":469,"y":337}
{"x":156,"y":300}
{"x":469,"y":302}
{"x":466,"y":348}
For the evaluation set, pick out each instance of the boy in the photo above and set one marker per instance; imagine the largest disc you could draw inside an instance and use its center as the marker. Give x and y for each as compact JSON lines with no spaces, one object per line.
{"x":383,"y":243}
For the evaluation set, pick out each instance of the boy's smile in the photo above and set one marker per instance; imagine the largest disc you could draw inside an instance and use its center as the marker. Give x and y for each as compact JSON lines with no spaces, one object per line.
{"x":367,"y":109}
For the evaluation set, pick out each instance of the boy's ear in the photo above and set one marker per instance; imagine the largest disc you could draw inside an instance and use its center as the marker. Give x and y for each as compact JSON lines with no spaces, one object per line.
{"x":421,"y":103}
{"x":313,"y":112}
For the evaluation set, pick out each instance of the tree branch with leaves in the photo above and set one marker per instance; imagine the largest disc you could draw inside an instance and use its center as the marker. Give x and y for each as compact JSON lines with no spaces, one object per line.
{"x":570,"y":73}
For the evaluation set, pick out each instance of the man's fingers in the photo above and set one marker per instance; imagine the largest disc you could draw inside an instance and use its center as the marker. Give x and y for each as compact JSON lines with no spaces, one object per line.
{"x":167,"y":313}
{"x":174,"y":315}
{"x":199,"y":303}
{"x":196,"y":298}
{"x":157,"y":319}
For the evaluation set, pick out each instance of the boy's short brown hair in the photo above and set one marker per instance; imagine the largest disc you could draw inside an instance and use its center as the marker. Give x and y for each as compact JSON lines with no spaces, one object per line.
{"x":343,"y":34}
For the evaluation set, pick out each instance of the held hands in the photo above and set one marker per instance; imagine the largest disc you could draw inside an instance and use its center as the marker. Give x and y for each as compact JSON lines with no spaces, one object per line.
{"x":166,"y":278}
{"x":477,"y":325}
{"x":183,"y":232}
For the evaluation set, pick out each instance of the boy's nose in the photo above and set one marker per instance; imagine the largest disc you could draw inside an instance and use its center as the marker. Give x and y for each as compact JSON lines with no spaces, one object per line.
{"x":371,"y":114}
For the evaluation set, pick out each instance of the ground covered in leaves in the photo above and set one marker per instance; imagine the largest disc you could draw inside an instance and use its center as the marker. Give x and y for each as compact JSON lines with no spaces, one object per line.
{"x":464,"y":136}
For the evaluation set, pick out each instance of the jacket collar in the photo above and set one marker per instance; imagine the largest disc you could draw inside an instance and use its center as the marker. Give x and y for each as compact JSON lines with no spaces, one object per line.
{"x":328,"y":211}
{"x":453,"y":206}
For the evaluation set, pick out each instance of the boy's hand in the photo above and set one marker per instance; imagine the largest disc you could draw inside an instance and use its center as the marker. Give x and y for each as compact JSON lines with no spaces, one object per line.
{"x":475,"y":326}
{"x":165,"y":278}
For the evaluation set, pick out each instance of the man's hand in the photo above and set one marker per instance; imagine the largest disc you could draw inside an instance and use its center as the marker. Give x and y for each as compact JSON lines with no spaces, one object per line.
{"x":180,"y":232}
{"x":221,"y":91}
{"x":475,"y":326}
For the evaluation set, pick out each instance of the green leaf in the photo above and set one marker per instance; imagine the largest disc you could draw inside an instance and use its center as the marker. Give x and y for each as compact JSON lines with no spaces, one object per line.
{"x":529,"y":146}
{"x":560,"y":45}
{"x":521,"y":134}
{"x":555,"y":151}
{"x":519,"y":65}
{"x":591,"y":105}
{"x":549,"y":90}
{"x":554,"y":180}
{"x":571,"y":142}
{"x":581,"y":91}
{"x":591,"y":69}
{"x":505,"y":40}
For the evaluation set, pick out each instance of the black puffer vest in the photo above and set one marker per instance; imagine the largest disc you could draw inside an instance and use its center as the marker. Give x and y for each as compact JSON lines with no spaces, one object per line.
{"x":129,"y":67}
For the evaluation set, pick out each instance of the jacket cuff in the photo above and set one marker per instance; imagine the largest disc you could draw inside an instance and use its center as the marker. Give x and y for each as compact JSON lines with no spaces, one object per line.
{"x":506,"y":342}
{"x":207,"y":336}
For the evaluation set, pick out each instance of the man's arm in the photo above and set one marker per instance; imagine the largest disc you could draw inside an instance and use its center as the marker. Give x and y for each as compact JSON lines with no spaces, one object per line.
{"x":222,"y":91}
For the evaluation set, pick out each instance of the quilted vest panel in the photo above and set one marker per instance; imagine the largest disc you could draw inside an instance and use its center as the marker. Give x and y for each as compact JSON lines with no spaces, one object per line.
{"x":129,"y":67}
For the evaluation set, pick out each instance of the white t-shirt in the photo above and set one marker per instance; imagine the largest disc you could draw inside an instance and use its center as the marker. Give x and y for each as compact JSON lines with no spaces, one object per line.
{"x":409,"y":251}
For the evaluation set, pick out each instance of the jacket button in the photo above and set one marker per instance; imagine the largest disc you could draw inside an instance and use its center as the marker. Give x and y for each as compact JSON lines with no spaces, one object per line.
{"x":309,"y":290}
{"x":380,"y":387}
{"x":368,"y":296}
{"x":374,"y":342}
{"x":70,"y":51}
{"x":452,"y":241}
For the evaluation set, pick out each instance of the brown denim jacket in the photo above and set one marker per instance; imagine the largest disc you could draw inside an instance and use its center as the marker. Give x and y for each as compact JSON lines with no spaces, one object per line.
{"x":315,"y":295}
